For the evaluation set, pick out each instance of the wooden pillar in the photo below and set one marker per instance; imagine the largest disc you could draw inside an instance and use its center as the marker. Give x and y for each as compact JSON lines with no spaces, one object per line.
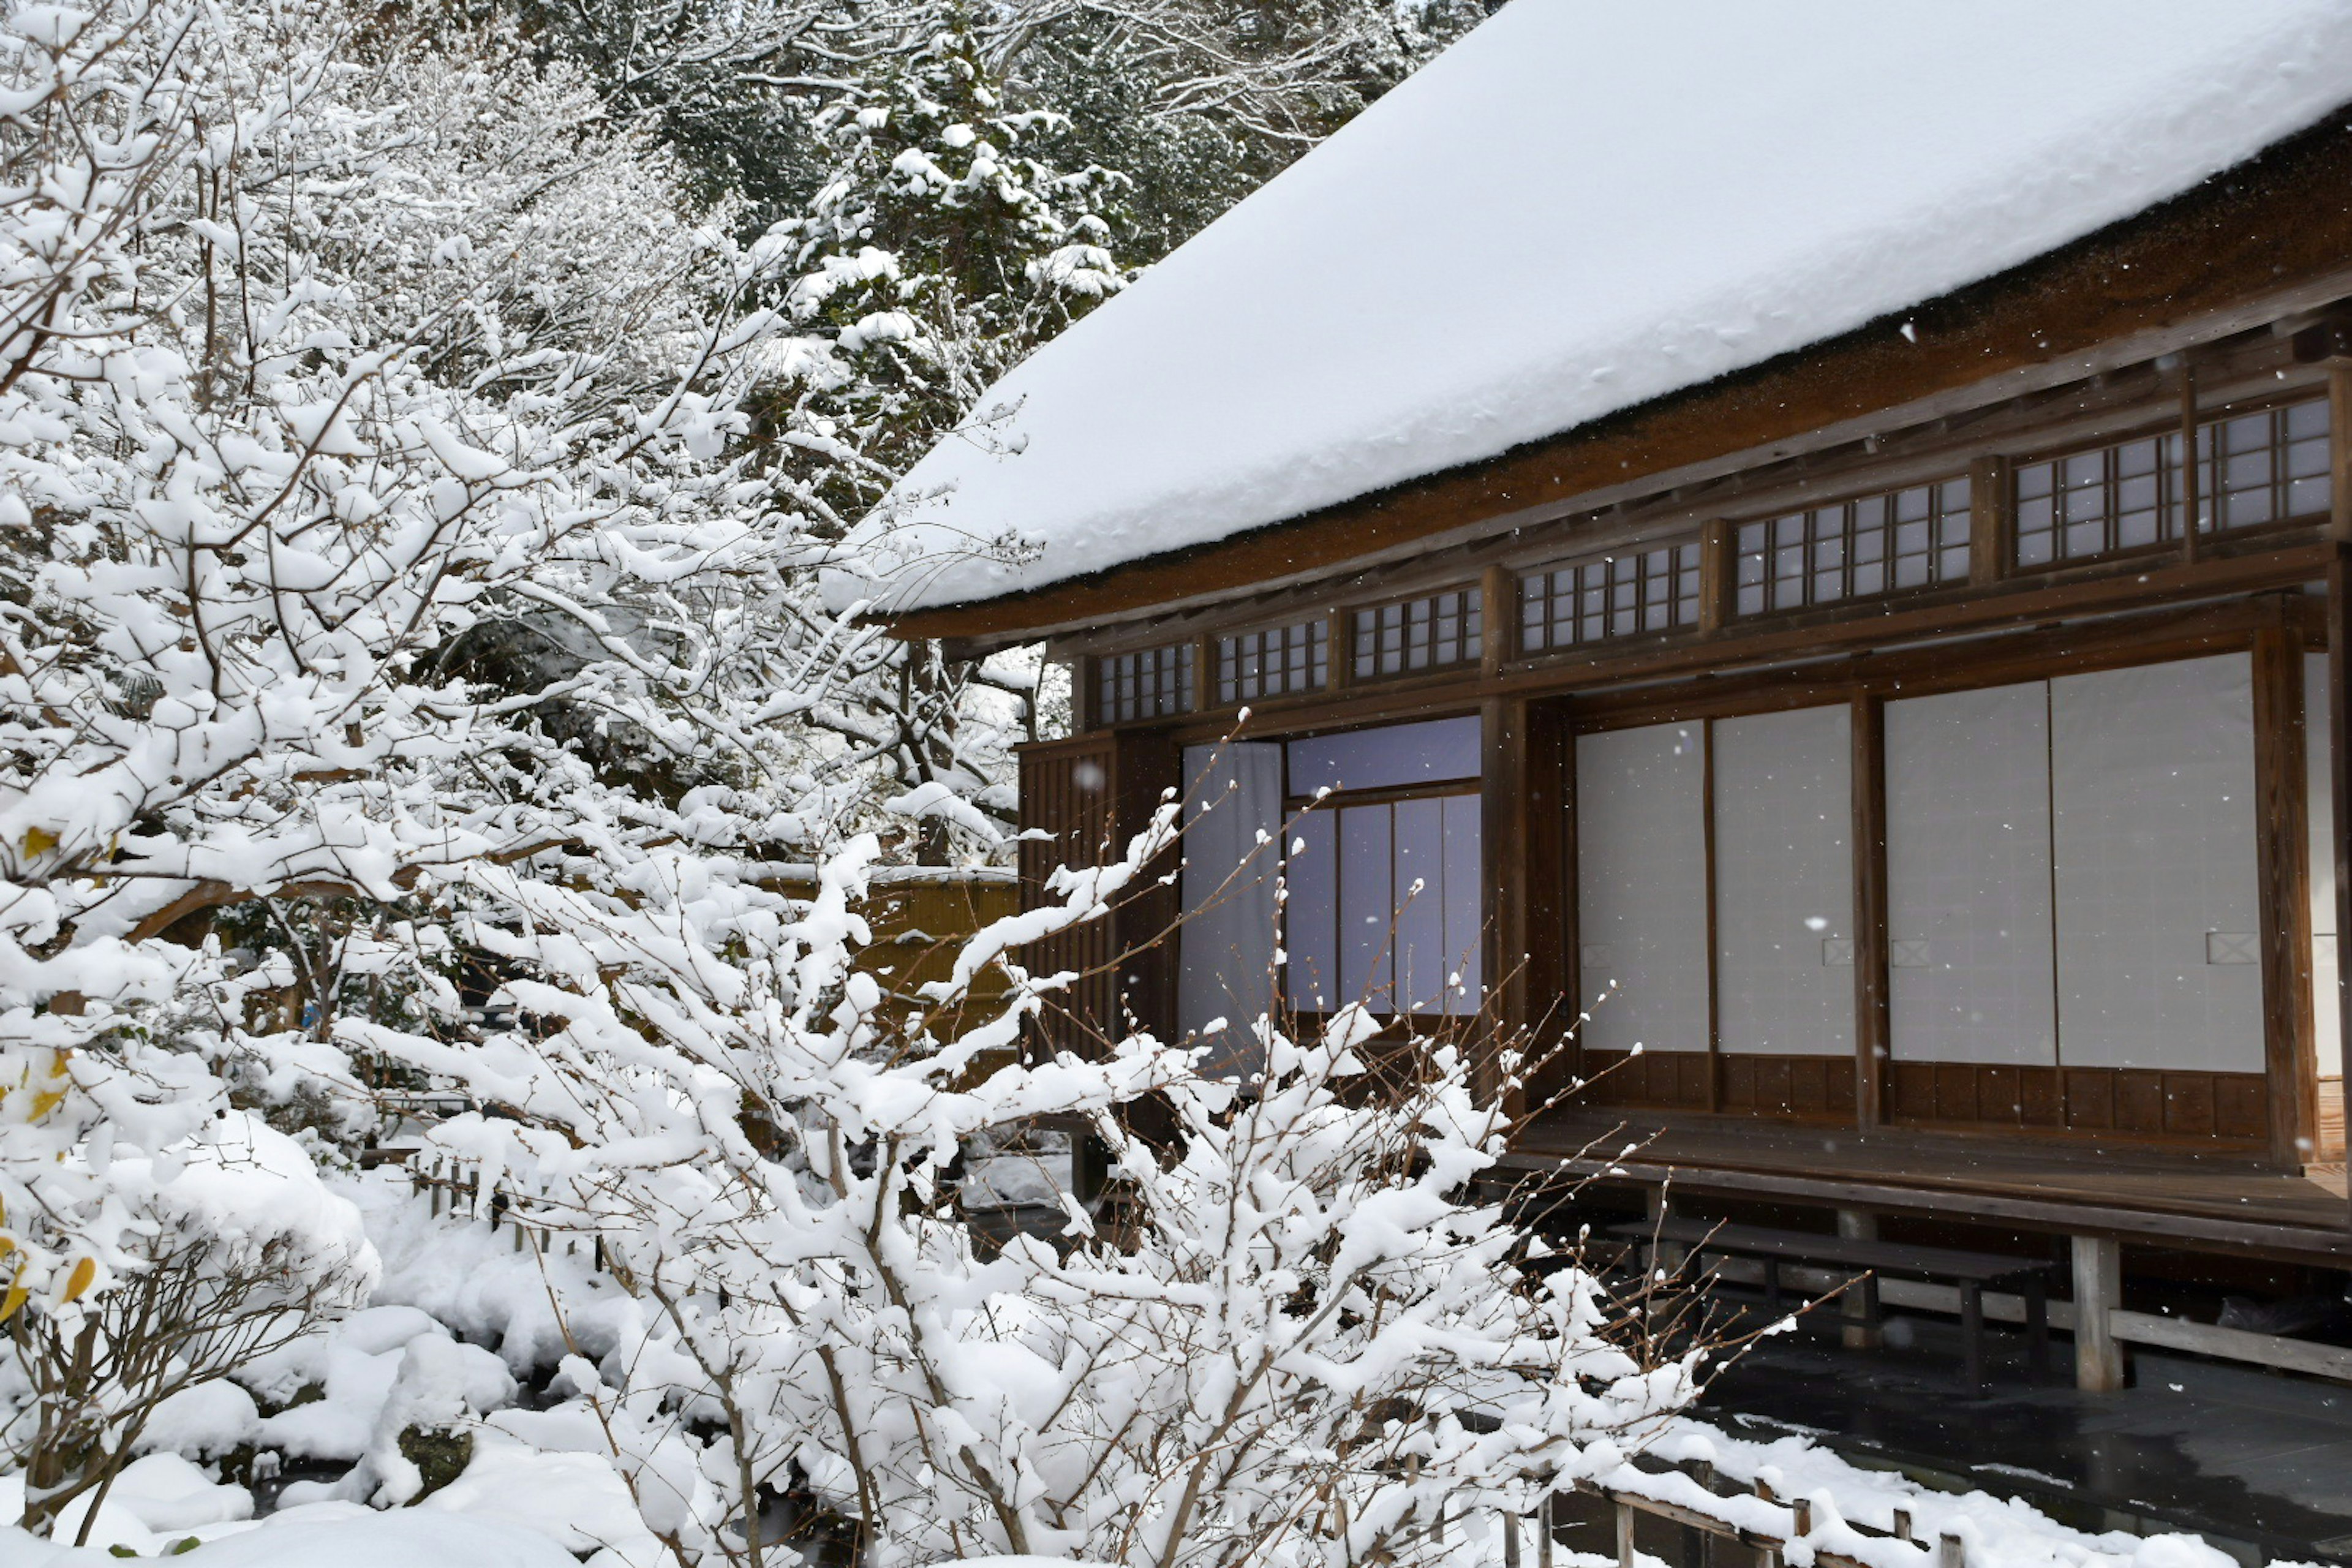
{"x":2098,"y":1290}
{"x":2281,"y":859}
{"x":2191,"y":478}
{"x":1086,"y":693}
{"x":1718,"y":575}
{"x":1872,"y":1039}
{"x":1522,"y":843}
{"x":1861,"y":1331}
{"x":2339,"y":671}
{"x":1989,"y":537}
{"x":1497,"y":639}
{"x":1143,"y":927}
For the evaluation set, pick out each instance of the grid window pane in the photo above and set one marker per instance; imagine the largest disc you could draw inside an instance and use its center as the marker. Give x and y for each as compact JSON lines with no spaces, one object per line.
{"x":2266,"y":467}
{"x":1854,"y":550}
{"x":1274,"y":662}
{"x":1431,"y":632}
{"x":1653,"y":590}
{"x":1154,"y":683}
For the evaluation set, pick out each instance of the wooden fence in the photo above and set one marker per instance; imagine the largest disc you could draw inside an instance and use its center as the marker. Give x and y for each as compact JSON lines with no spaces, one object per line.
{"x":1713,"y":1513}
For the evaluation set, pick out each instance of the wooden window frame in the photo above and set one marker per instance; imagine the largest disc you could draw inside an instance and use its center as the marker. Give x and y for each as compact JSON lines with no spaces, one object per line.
{"x":1124,"y":681}
{"x":1660,"y":585}
{"x":1234,"y":682}
{"x":1370,"y":627}
{"x":2196,"y":488}
{"x":1336,"y":801}
{"x":1867,"y":539}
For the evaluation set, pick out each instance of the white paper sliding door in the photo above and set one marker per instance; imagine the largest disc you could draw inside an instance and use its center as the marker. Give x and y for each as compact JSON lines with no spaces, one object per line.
{"x":2326,"y":1003}
{"x":1226,"y":947}
{"x":1640,"y":876}
{"x":2153,"y":823}
{"x":1784,"y":883}
{"x":1968,"y":877}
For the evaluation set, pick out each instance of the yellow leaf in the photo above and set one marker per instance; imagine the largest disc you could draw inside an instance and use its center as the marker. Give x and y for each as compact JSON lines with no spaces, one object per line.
{"x":78,"y":1281}
{"x":38,"y":841}
{"x":46,"y":1102}
{"x":14,"y":1300}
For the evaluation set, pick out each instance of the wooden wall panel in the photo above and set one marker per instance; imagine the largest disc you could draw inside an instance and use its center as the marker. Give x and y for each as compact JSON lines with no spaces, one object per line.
{"x":1658,"y":1080}
{"x":2137,"y":1103}
{"x":1786,"y":1088}
{"x":1066,"y":790}
{"x":2330,"y":1149}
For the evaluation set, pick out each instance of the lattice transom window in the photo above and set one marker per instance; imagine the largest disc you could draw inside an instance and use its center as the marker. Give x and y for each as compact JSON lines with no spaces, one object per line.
{"x":1274,"y":662}
{"x":2267,"y":467}
{"x":1852,"y":550}
{"x":1420,"y":634}
{"x":2116,"y":498}
{"x":2254,"y":469}
{"x":1653,"y":590}
{"x":1154,"y":683}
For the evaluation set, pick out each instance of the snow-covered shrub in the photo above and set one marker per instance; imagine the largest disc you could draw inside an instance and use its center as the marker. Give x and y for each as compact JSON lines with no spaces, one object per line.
{"x":229,"y":1246}
{"x":330,"y":353}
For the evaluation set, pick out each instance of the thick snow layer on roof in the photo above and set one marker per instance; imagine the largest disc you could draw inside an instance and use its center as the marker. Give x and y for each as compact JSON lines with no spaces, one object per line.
{"x":1584,"y":205}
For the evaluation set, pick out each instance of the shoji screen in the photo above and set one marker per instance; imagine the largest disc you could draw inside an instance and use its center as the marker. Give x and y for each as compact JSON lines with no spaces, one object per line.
{"x":1967,"y":874}
{"x":2327,"y":1005}
{"x":1226,"y":947}
{"x":1641,"y":875}
{"x":1784,"y":883}
{"x":2152,"y":784}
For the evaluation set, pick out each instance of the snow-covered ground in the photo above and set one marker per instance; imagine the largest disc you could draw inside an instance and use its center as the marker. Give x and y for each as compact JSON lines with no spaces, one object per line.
{"x":460,"y":1336}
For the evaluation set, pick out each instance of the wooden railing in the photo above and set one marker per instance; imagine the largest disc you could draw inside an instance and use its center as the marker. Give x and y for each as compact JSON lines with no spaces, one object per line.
{"x":1749,"y":1517}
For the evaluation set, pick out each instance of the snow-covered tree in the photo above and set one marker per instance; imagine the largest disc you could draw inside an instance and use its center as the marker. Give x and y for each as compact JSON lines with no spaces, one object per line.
{"x":375,"y":504}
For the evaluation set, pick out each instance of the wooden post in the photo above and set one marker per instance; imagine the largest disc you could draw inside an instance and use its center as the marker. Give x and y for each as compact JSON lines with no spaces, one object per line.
{"x":1204,"y":673}
{"x":1714,"y":938}
{"x":1510,"y":1538}
{"x":1544,"y":1526}
{"x":1147,"y":763}
{"x":1497,"y":638}
{"x":2191,"y":482}
{"x":1861,"y":1329}
{"x":2098,"y":1290}
{"x":1625,"y":1535}
{"x":2339,"y":671}
{"x":1950,"y":1551}
{"x":1718,"y":575}
{"x":1522,"y":828}
{"x":1340,"y":659}
{"x":1902,"y":1524}
{"x":2281,"y":859}
{"x":1988,"y":531}
{"x":1085,"y":694}
{"x":1872,"y":1034}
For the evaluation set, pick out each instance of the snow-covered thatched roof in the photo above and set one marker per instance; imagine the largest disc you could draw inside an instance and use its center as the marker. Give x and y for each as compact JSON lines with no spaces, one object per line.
{"x":1584,"y":206}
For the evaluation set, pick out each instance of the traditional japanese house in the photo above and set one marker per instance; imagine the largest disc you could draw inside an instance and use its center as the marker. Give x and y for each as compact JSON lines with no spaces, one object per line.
{"x":1818,"y":535}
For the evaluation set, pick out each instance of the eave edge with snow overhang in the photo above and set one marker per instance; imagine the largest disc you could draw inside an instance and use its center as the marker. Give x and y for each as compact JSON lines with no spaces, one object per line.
{"x":2234,"y":232}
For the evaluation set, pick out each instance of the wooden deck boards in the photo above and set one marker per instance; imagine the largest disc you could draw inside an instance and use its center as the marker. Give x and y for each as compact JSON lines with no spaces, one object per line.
{"x":2137,"y":1194}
